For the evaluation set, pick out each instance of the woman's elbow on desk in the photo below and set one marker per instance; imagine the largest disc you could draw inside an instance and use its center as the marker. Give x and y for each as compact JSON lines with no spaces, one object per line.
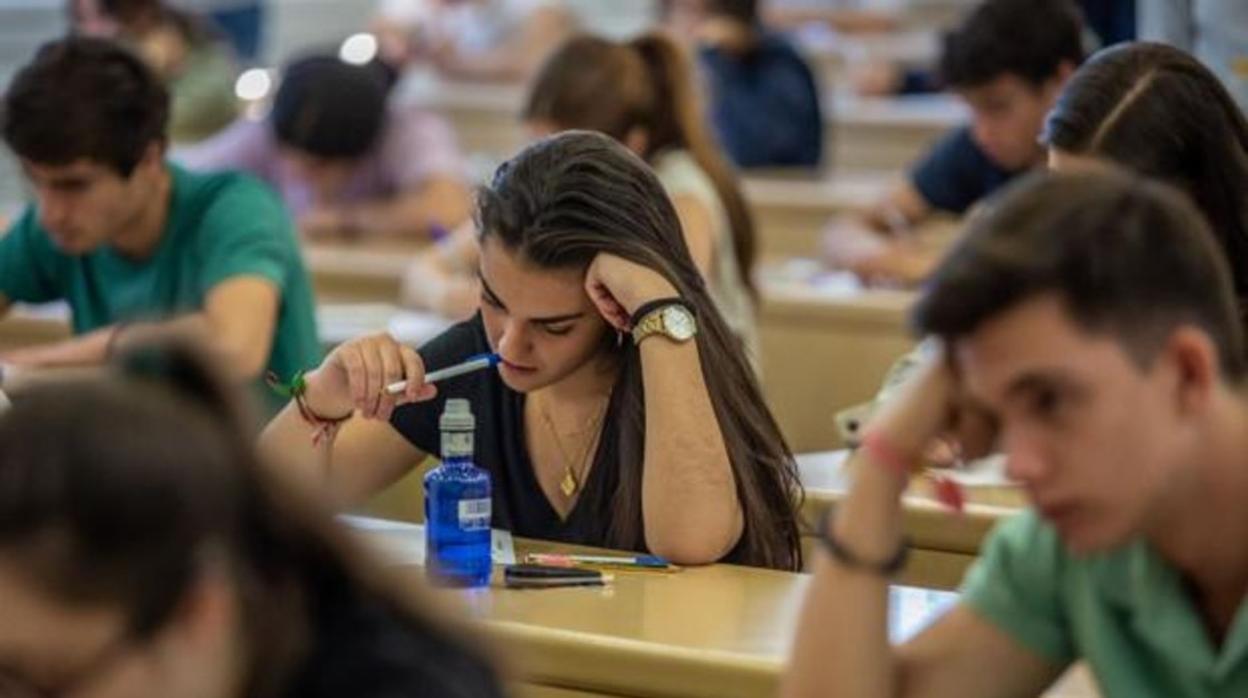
{"x":695,"y":544}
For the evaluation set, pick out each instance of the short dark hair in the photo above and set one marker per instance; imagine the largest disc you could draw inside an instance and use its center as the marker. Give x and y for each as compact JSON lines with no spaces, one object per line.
{"x":1029,"y":39}
{"x":85,"y":98}
{"x":330,"y":108}
{"x":1129,"y":257}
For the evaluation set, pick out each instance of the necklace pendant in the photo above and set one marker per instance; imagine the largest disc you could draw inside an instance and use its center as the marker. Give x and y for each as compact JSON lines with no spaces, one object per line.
{"x":569,"y":484}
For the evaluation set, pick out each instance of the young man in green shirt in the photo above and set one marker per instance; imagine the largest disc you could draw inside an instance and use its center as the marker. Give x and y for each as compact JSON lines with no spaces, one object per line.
{"x":1091,"y":334}
{"x":138,"y":246}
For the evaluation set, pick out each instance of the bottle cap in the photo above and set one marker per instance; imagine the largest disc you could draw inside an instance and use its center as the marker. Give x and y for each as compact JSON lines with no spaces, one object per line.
{"x":457,"y":416}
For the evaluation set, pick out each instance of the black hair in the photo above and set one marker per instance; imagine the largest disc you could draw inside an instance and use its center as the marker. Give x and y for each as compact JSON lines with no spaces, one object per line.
{"x":1160,"y":112}
{"x":1128,"y":257}
{"x":1029,"y":39}
{"x":329,"y":108}
{"x":85,"y":98}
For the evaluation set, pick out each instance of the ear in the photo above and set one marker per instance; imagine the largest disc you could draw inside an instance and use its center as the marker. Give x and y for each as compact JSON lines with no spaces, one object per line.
{"x":638,"y":141}
{"x":208,"y":611}
{"x":1197,"y":371}
{"x":153,"y":158}
{"x":1065,"y":69}
{"x":1054,"y":85}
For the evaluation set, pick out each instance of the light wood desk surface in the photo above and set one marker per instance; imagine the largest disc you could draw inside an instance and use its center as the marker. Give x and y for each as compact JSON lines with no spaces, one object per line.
{"x":885,"y":133}
{"x":359,"y":272}
{"x":720,"y":631}
{"x":27,"y":325}
{"x":792,"y":208}
{"x":862,"y":133}
{"x":823,"y":351}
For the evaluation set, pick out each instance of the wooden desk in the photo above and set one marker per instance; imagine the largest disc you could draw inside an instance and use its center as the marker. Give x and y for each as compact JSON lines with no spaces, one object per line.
{"x":27,"y":325}
{"x":945,"y":543}
{"x":358,"y":272}
{"x":825,"y":351}
{"x":486,"y":117}
{"x":791,"y":209}
{"x":713,"y":632}
{"x":861,"y":133}
{"x":339,"y":322}
{"x":886,"y":133}
{"x":832,"y":54}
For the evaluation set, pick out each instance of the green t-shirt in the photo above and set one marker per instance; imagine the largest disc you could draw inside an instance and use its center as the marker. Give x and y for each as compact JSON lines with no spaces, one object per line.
{"x":1124,"y":612}
{"x":220,"y":226}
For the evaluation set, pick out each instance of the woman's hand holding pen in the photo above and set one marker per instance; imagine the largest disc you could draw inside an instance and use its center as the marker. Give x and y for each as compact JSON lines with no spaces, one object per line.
{"x":355,"y":374}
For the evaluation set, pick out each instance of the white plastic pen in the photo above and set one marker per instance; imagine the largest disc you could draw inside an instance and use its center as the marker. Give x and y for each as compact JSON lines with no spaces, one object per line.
{"x":476,"y":363}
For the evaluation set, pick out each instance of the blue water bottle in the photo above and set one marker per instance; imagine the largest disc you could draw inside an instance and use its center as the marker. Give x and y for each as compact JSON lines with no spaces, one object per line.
{"x":457,"y":506}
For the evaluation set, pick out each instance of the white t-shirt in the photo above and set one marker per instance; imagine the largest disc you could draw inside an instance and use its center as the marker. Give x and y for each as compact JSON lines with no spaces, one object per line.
{"x":681,"y":175}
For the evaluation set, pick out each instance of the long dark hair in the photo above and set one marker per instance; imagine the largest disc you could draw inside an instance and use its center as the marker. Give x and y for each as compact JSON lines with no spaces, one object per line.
{"x":647,"y":83}
{"x":563,"y":201}
{"x":114,"y":488}
{"x":1158,"y":111}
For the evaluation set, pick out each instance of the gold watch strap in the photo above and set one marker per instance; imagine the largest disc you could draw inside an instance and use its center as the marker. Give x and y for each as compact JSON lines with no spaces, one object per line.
{"x":650,"y":325}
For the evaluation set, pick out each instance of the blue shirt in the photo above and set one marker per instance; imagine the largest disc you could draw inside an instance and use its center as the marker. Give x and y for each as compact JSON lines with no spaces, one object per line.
{"x":956,"y":173}
{"x":764,"y":105}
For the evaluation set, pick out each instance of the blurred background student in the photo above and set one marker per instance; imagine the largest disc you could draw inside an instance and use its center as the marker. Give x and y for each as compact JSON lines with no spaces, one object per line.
{"x":474,"y":40}
{"x":641,"y":93}
{"x":346,"y":160}
{"x":764,"y":102}
{"x":183,"y":49}
{"x":241,"y":21}
{"x":144,"y":551}
{"x":1009,"y":74}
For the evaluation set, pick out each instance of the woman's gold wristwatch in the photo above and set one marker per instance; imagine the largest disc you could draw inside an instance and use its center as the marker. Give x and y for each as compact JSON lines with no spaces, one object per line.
{"x":669,"y":317}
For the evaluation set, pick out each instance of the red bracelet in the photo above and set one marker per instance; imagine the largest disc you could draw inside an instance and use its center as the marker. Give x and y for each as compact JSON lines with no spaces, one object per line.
{"x":879,"y":449}
{"x":325,"y":427}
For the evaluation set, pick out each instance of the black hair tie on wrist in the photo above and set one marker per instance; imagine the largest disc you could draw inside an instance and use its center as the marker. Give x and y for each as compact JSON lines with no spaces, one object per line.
{"x":647,"y":308}
{"x":850,"y":559}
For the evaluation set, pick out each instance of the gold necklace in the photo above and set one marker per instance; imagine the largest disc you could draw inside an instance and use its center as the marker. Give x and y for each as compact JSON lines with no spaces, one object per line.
{"x":571,"y":482}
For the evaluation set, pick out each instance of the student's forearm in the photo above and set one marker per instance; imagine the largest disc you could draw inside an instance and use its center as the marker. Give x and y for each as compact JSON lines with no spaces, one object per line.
{"x":287,"y":442}
{"x":842,"y":647}
{"x":244,"y":356}
{"x":344,"y":466}
{"x":85,"y":350}
{"x":689,"y":498}
{"x":443,"y":202}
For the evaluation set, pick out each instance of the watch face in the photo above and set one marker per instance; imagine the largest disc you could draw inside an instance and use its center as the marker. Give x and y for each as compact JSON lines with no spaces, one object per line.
{"x":679,"y":323}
